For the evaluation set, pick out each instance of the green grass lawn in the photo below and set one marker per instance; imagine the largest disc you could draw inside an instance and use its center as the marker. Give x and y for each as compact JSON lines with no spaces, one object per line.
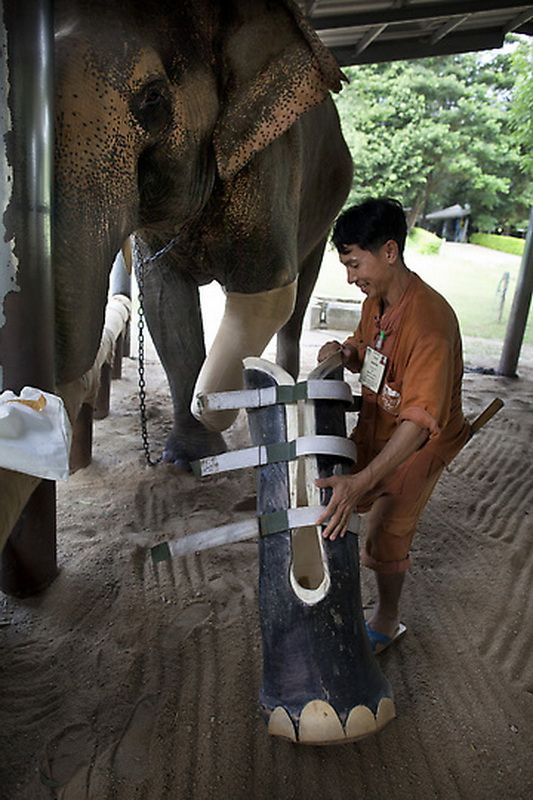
{"x":467,"y":275}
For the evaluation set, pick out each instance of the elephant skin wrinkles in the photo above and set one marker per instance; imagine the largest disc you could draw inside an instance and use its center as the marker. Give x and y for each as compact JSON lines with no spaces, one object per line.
{"x":207,"y":120}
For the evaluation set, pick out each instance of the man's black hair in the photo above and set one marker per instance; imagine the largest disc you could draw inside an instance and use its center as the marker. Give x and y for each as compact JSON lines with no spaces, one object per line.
{"x":370,"y":224}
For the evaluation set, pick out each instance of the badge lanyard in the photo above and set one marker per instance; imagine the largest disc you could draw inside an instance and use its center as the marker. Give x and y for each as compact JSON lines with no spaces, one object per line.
{"x":380,"y":341}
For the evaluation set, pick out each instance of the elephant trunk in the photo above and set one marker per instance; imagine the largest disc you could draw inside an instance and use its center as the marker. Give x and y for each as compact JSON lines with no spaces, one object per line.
{"x":83,"y":257}
{"x":248,"y":324}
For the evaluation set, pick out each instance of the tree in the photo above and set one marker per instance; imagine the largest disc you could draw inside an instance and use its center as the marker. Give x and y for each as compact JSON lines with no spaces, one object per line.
{"x":434,"y":132}
{"x":521,"y":107}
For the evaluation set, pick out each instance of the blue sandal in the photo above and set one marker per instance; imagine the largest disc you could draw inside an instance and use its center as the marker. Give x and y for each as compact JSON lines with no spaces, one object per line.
{"x":380,"y":641}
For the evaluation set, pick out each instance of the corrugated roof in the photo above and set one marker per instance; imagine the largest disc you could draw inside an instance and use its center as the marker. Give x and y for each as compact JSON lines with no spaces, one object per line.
{"x":451,"y":212}
{"x":388,"y":30}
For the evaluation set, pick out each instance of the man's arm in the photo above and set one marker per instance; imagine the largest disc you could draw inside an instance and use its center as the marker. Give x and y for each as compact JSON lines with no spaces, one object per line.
{"x":348,"y":489}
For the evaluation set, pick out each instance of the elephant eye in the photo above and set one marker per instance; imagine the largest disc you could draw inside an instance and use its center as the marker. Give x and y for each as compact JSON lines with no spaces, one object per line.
{"x":151,"y":106}
{"x":152,"y":96}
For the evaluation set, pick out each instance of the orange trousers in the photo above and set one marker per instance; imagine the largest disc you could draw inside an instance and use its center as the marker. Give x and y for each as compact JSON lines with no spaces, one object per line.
{"x":394,"y":509}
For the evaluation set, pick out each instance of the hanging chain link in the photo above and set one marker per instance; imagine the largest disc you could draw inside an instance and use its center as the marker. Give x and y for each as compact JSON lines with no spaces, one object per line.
{"x":140,"y":263}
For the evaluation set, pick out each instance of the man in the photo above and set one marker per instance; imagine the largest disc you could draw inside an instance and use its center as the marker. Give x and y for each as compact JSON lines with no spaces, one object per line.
{"x":407,"y":348}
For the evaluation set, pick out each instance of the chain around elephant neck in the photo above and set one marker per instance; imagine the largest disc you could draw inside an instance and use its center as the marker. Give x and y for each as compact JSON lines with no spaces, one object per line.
{"x":159,"y":253}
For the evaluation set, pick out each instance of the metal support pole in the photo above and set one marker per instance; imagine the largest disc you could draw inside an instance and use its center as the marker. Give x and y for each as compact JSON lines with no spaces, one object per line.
{"x":516,"y":326}
{"x":26,"y":290}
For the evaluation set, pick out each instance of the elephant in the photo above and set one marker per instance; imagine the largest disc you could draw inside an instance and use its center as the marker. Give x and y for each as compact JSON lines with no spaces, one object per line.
{"x":209,"y":125}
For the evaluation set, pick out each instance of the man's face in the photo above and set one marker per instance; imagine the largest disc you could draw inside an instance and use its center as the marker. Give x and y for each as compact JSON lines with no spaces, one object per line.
{"x":371,"y":272}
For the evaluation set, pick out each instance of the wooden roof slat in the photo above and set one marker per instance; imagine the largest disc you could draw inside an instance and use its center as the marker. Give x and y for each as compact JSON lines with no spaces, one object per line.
{"x":368,"y":38}
{"x":518,"y":21}
{"x":447,"y":28}
{"x":412,"y":13}
{"x":418,"y":47}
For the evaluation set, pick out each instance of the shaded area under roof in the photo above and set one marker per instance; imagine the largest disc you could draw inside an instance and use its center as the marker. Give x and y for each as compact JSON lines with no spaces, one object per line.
{"x":389,"y":30}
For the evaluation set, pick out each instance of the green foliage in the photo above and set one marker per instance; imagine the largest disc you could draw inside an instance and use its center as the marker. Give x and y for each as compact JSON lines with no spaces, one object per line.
{"x":424,"y":242}
{"x":434,"y":132}
{"x":505,"y":244}
{"x":521,"y":109}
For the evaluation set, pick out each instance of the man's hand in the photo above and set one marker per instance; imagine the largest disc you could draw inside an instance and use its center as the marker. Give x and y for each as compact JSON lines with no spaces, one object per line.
{"x":327,"y":350}
{"x":347,"y":490}
{"x":348,"y":353}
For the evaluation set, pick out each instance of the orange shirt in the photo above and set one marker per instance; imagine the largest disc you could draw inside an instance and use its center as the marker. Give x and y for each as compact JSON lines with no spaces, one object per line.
{"x":422,"y":380}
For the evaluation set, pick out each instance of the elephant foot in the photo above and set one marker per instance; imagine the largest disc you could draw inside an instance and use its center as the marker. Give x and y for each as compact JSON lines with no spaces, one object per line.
{"x":319,"y":723}
{"x":181,"y":449}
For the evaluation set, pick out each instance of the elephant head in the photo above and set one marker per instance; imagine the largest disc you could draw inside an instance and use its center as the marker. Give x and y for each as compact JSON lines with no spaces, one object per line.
{"x":154,"y":102}
{"x":203,"y":121}
{"x":136,"y":105}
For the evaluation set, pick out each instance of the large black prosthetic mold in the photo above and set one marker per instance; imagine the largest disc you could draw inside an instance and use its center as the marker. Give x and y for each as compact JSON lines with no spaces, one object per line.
{"x":321,"y":683}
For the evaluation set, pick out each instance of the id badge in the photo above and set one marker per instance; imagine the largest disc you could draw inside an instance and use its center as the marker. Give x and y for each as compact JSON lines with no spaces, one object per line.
{"x":373,"y":370}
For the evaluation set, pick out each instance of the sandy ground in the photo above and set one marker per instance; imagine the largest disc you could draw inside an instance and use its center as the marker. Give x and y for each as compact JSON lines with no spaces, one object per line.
{"x":120,"y":683}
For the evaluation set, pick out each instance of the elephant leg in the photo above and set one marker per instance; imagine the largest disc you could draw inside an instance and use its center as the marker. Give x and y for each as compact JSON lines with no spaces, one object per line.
{"x":288,"y":339}
{"x":173,"y":315}
{"x":248,"y":324}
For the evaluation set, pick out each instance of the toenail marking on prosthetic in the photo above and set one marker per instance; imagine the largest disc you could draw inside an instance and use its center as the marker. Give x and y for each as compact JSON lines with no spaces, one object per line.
{"x":386,"y":712}
{"x":319,"y":723}
{"x":361,"y":722}
{"x":280,"y":724}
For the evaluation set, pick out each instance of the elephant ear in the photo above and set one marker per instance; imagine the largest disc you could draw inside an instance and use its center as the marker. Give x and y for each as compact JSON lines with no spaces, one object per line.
{"x":276,"y":69}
